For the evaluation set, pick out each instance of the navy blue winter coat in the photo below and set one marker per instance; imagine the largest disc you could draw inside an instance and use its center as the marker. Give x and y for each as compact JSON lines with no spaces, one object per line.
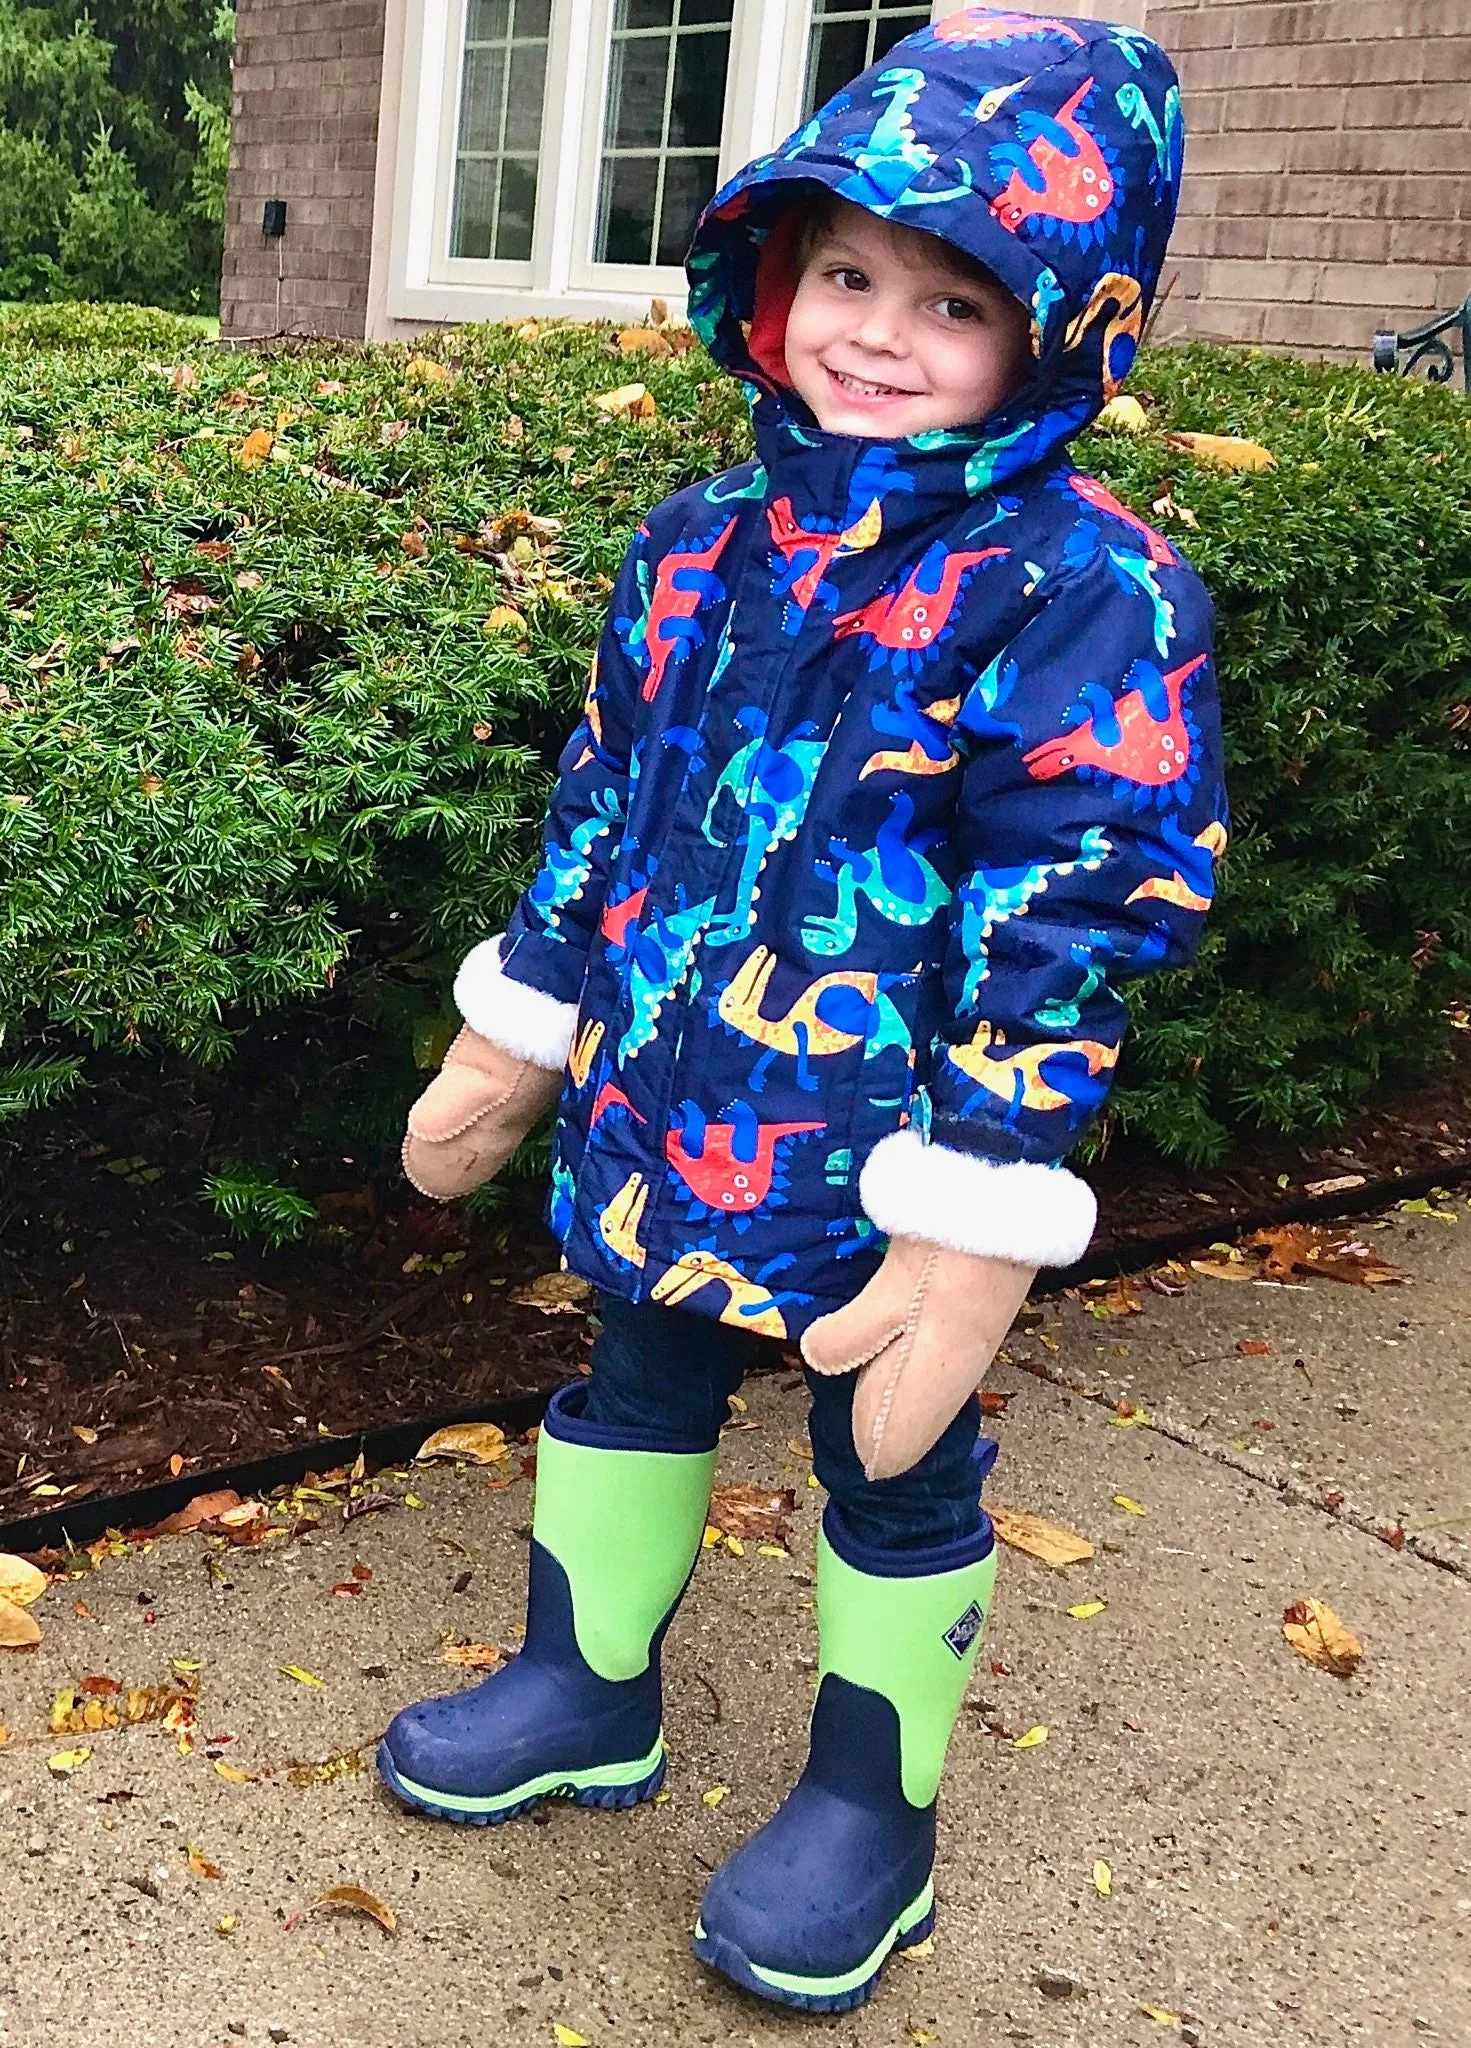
{"x":898,"y":758}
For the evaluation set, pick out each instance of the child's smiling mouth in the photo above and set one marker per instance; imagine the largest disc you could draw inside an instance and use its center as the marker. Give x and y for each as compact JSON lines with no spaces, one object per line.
{"x":863,"y":389}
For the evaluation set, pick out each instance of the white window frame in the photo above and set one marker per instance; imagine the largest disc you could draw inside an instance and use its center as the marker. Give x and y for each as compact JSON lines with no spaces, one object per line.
{"x":768,"y":63}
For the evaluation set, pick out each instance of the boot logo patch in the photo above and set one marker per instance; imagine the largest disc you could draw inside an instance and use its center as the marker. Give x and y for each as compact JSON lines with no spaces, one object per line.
{"x":961,"y":1634}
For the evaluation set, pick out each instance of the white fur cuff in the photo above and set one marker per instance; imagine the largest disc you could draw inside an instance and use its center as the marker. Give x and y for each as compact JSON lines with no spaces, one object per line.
{"x":1032,"y":1215}
{"x":519,"y":1019}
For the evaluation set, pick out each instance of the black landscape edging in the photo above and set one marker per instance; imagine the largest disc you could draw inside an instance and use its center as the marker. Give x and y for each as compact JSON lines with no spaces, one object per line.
{"x":83,"y":1521}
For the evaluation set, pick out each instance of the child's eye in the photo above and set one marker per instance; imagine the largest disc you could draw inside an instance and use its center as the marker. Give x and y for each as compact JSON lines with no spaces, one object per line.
{"x":847,"y":278}
{"x":959,"y":309}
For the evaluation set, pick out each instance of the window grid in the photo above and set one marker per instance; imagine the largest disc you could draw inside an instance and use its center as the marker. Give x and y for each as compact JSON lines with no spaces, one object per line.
{"x":664,"y":152}
{"x":875,"y":18}
{"x":496,"y":152}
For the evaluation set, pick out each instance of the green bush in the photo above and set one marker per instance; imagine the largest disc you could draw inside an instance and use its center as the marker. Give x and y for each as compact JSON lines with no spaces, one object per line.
{"x":275,"y":733}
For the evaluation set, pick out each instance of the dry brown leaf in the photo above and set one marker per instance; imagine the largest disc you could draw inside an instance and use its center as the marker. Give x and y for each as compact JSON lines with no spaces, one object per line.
{"x":255,"y":448}
{"x":555,"y":1294}
{"x":200,"y":1513}
{"x":480,"y":1443}
{"x":629,"y":401}
{"x":648,"y":339}
{"x":20,"y":1582}
{"x":1253,"y":1347}
{"x":474,"y":1656}
{"x":756,"y":1512}
{"x":428,"y":371}
{"x":1223,"y":1269}
{"x":1040,"y":1539}
{"x":1327,"y":1249}
{"x":18,"y":1630}
{"x":349,"y":1898}
{"x":1316,"y":1632}
{"x":200,"y":1864}
{"x":414,"y":544}
{"x":1224,"y":451}
{"x":214,"y":550}
{"x":187,"y":598}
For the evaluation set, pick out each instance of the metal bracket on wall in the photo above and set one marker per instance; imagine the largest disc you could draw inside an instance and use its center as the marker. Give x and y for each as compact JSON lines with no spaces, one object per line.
{"x":1424,"y":344}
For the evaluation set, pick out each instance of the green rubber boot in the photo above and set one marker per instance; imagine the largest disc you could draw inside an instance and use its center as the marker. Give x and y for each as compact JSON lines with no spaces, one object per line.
{"x":615,"y":1537}
{"x":807,"y":1910}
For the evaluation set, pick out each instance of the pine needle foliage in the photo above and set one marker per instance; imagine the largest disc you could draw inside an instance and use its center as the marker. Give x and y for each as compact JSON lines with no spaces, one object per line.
{"x":287,"y":655}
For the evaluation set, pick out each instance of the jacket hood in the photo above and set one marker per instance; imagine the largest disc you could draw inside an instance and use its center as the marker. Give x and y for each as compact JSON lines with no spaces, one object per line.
{"x":1047,"y":149}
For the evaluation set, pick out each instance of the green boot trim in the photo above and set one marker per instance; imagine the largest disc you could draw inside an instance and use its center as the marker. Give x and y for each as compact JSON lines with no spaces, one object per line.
{"x":625,"y":1526}
{"x":911,"y":1640}
{"x":849,"y":1980}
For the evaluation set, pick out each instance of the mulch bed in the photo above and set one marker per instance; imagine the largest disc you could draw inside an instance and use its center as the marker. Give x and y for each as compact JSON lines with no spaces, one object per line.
{"x":135,"y":1332}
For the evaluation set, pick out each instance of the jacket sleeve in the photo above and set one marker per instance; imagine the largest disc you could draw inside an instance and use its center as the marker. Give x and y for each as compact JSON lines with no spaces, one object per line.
{"x":1091,"y":814}
{"x":521,"y":988}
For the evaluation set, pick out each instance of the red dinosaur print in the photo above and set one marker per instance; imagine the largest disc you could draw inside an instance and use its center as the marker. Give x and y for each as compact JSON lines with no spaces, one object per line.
{"x":1141,"y":740}
{"x":733,"y":1165}
{"x":1092,"y":492}
{"x":906,"y":624}
{"x":617,"y":917}
{"x":686,"y":579}
{"x":976,"y":27}
{"x":610,"y":1096}
{"x":1061,"y":174}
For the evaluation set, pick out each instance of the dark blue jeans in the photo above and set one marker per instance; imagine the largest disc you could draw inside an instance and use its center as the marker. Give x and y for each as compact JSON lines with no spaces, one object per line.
{"x":662,"y":1371}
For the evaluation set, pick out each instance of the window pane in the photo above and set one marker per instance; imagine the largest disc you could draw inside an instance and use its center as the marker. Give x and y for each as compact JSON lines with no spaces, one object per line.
{"x":474,"y":208}
{"x":692,"y":12}
{"x":644,"y":14}
{"x":636,"y":92}
{"x":523,"y":100}
{"x":699,"y":90}
{"x":517,"y":209}
{"x":480,"y":103}
{"x":837,"y":55}
{"x":626,"y":231}
{"x":503,"y":88}
{"x":486,"y":21}
{"x":688,"y":182}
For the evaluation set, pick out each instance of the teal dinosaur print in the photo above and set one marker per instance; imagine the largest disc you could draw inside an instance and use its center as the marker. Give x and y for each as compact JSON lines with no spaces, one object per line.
{"x":1138,"y":572}
{"x":893,"y":877}
{"x":992,"y":896}
{"x":659,"y":955}
{"x":892,"y":156}
{"x":772,"y":787}
{"x":566,"y":871}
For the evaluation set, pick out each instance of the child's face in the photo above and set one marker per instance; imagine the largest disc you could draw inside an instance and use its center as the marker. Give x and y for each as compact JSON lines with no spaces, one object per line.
{"x":885,"y":338}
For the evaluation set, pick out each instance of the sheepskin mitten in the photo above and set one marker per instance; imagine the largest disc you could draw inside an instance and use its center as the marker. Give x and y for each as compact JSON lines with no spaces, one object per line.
{"x":473,"y":1115}
{"x":920,"y":1337}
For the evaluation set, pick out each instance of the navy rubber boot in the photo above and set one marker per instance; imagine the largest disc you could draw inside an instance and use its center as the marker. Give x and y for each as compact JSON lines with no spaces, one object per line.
{"x":806,"y":1912}
{"x":615,"y":1537}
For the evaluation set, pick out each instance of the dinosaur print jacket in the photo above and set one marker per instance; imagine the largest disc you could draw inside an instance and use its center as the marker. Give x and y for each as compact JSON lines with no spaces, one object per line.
{"x":898,"y":759}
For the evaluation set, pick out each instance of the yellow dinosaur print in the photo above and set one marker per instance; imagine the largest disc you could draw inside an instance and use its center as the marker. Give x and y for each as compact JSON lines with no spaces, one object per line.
{"x":1213,"y":838}
{"x":1170,"y":889}
{"x":697,"y":1269}
{"x":740,"y":1008}
{"x":584,"y":1050}
{"x":618,"y":1222}
{"x":1121,"y":295}
{"x":913,"y":760}
{"x":1000,"y":1075}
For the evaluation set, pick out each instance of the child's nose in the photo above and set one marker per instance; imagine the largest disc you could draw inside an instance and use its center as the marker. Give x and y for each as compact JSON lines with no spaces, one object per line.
{"x":879,"y":327}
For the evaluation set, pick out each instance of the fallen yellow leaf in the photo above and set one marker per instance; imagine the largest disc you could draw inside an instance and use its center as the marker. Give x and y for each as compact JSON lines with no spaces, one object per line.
{"x":479,"y":1443}
{"x":1224,"y":451}
{"x":1033,"y":1739}
{"x":20,"y":1582}
{"x":568,"y":2037}
{"x":302,"y":1677}
{"x":714,"y":1796}
{"x":412,"y":1500}
{"x":428,"y":371}
{"x":255,"y":448}
{"x":1086,"y":1609}
{"x":66,"y":1761}
{"x":1157,"y":2012}
{"x":1103,"y":1880}
{"x":630,"y":401}
{"x":227,"y":1924}
{"x":735,"y":1546}
{"x":475,"y":1656}
{"x":1316,"y":1632}
{"x":771,"y":1550}
{"x":349,"y":1898}
{"x":1132,"y":1507}
{"x":1029,"y":1533}
{"x":1124,"y":415}
{"x":18,"y":1630}
{"x":632,"y":339}
{"x":200,"y":1864}
{"x":232,"y":1773}
{"x":1222,"y":1269}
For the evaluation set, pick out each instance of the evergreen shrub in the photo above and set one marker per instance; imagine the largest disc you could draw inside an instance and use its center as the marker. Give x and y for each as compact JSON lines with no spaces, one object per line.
{"x":289,"y":642}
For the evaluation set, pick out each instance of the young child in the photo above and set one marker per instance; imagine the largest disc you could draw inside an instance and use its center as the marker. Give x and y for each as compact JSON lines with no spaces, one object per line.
{"x":899,"y":756}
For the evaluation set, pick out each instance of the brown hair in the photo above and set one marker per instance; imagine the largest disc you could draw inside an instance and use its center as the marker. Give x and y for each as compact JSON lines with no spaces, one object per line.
{"x":819,"y":210}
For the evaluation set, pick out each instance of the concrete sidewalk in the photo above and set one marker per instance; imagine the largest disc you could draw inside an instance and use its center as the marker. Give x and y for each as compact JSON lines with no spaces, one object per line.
{"x":1290,"y":1852}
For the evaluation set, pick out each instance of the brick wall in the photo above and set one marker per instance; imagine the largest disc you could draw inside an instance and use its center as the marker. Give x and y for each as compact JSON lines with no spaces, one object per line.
{"x":306,"y":89}
{"x":1328,"y":168}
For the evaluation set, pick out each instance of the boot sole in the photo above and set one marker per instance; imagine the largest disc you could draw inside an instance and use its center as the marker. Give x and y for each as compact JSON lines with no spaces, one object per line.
{"x":613,"y":1787}
{"x":839,"y":1993}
